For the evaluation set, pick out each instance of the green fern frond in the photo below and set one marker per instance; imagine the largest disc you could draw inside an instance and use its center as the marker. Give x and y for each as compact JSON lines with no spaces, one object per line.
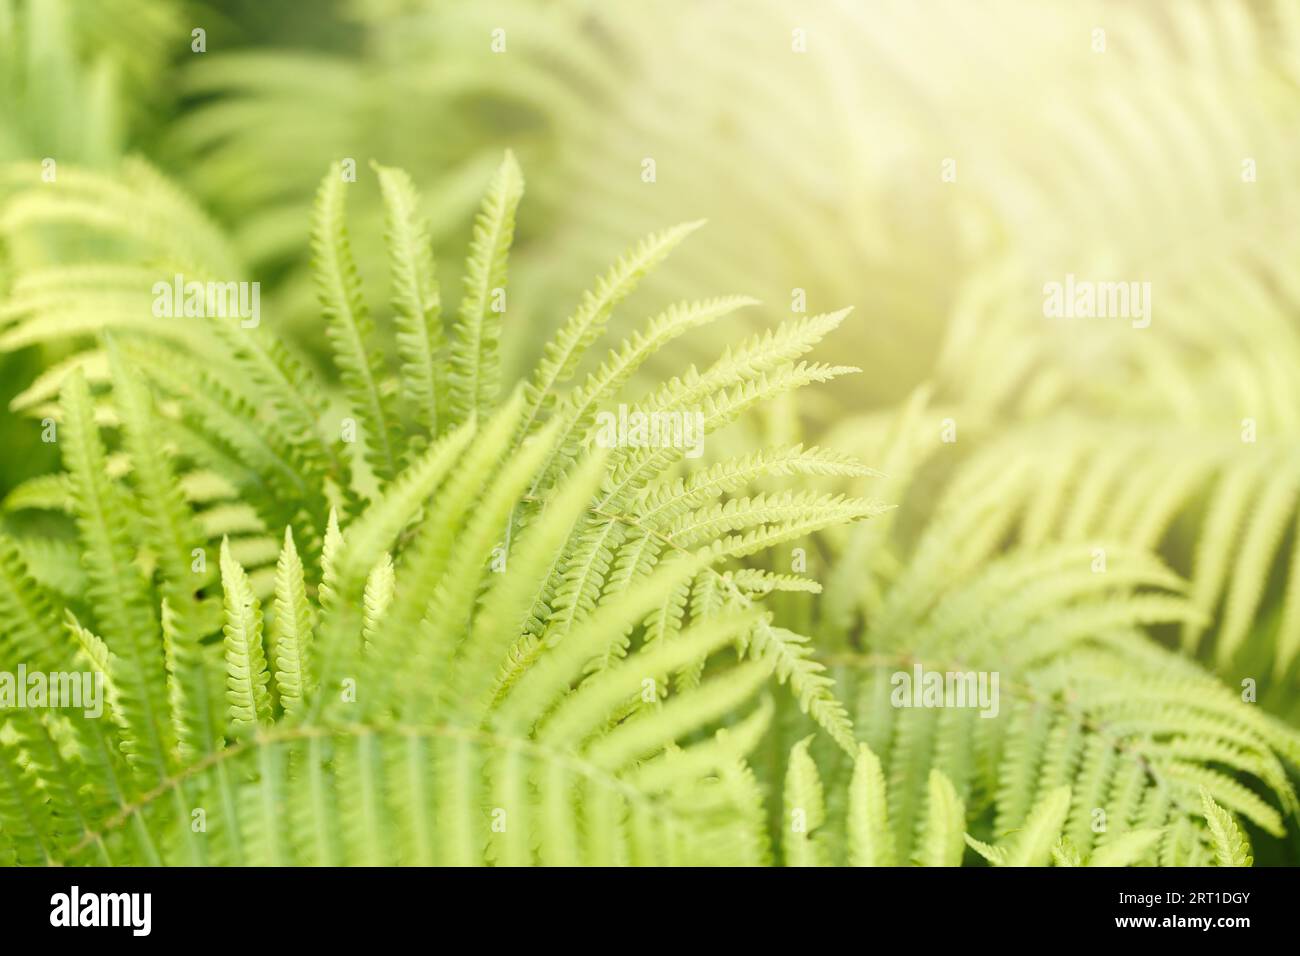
{"x":561,"y":356}
{"x":805,"y":810}
{"x":375,"y":599}
{"x":871,"y":843}
{"x":247,"y":678}
{"x":580,"y":407}
{"x":1230,"y":845}
{"x":417,"y":307}
{"x":291,"y":629}
{"x":349,"y":327}
{"x":123,"y":606}
{"x":942,"y":842}
{"x":474,"y":369}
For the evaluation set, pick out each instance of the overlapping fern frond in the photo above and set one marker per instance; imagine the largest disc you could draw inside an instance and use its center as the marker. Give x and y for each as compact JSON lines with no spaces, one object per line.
{"x":497,"y":611}
{"x":1090,"y":709}
{"x":1173,"y":129}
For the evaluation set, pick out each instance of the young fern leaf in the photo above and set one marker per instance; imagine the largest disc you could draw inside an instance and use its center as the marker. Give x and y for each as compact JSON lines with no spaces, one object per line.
{"x":1288,"y":635}
{"x":189,"y":689}
{"x":291,"y":629}
{"x":758,"y":581}
{"x":219,"y":428}
{"x":1218,"y":545}
{"x":805,"y":810}
{"x":282,"y":382}
{"x":871,"y":843}
{"x":1259,"y":545}
{"x":724,"y":752}
{"x":586,"y":566}
{"x":92,"y":649}
{"x":246,"y":674}
{"x":807,"y":511}
{"x":475,"y":364}
{"x":942,"y":843}
{"x":96,"y":654}
{"x":654,"y":731}
{"x":27,"y":612}
{"x":1231,"y":848}
{"x":636,"y":468}
{"x":29,"y":833}
{"x":349,"y":327}
{"x":1065,"y":853}
{"x":333,"y":544}
{"x":349,"y":559}
{"x":83,"y":789}
{"x":768,"y":352}
{"x":378,"y":595}
{"x":995,"y":855}
{"x":417,"y":307}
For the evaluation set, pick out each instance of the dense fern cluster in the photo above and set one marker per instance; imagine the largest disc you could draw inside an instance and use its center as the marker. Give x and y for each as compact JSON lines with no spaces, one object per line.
{"x":500,"y":615}
{"x":363,"y":592}
{"x":497,"y":613}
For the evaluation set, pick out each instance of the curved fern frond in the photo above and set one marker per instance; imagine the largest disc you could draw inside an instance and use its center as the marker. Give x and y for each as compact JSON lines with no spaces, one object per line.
{"x":1230,"y":845}
{"x":247,"y":678}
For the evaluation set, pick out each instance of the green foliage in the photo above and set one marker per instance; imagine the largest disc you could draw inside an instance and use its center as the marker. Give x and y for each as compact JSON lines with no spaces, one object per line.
{"x":496,"y":610}
{"x":475,"y":362}
{"x":869,"y":840}
{"x":1230,"y":845}
{"x":488,"y":655}
{"x":365,"y":588}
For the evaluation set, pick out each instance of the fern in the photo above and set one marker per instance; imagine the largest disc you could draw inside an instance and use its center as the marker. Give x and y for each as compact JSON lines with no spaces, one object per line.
{"x":452,"y":628}
{"x":475,"y":363}
{"x":463,"y":645}
{"x":349,"y":326}
{"x":416,"y":303}
{"x":1230,"y":845}
{"x":869,"y":840}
